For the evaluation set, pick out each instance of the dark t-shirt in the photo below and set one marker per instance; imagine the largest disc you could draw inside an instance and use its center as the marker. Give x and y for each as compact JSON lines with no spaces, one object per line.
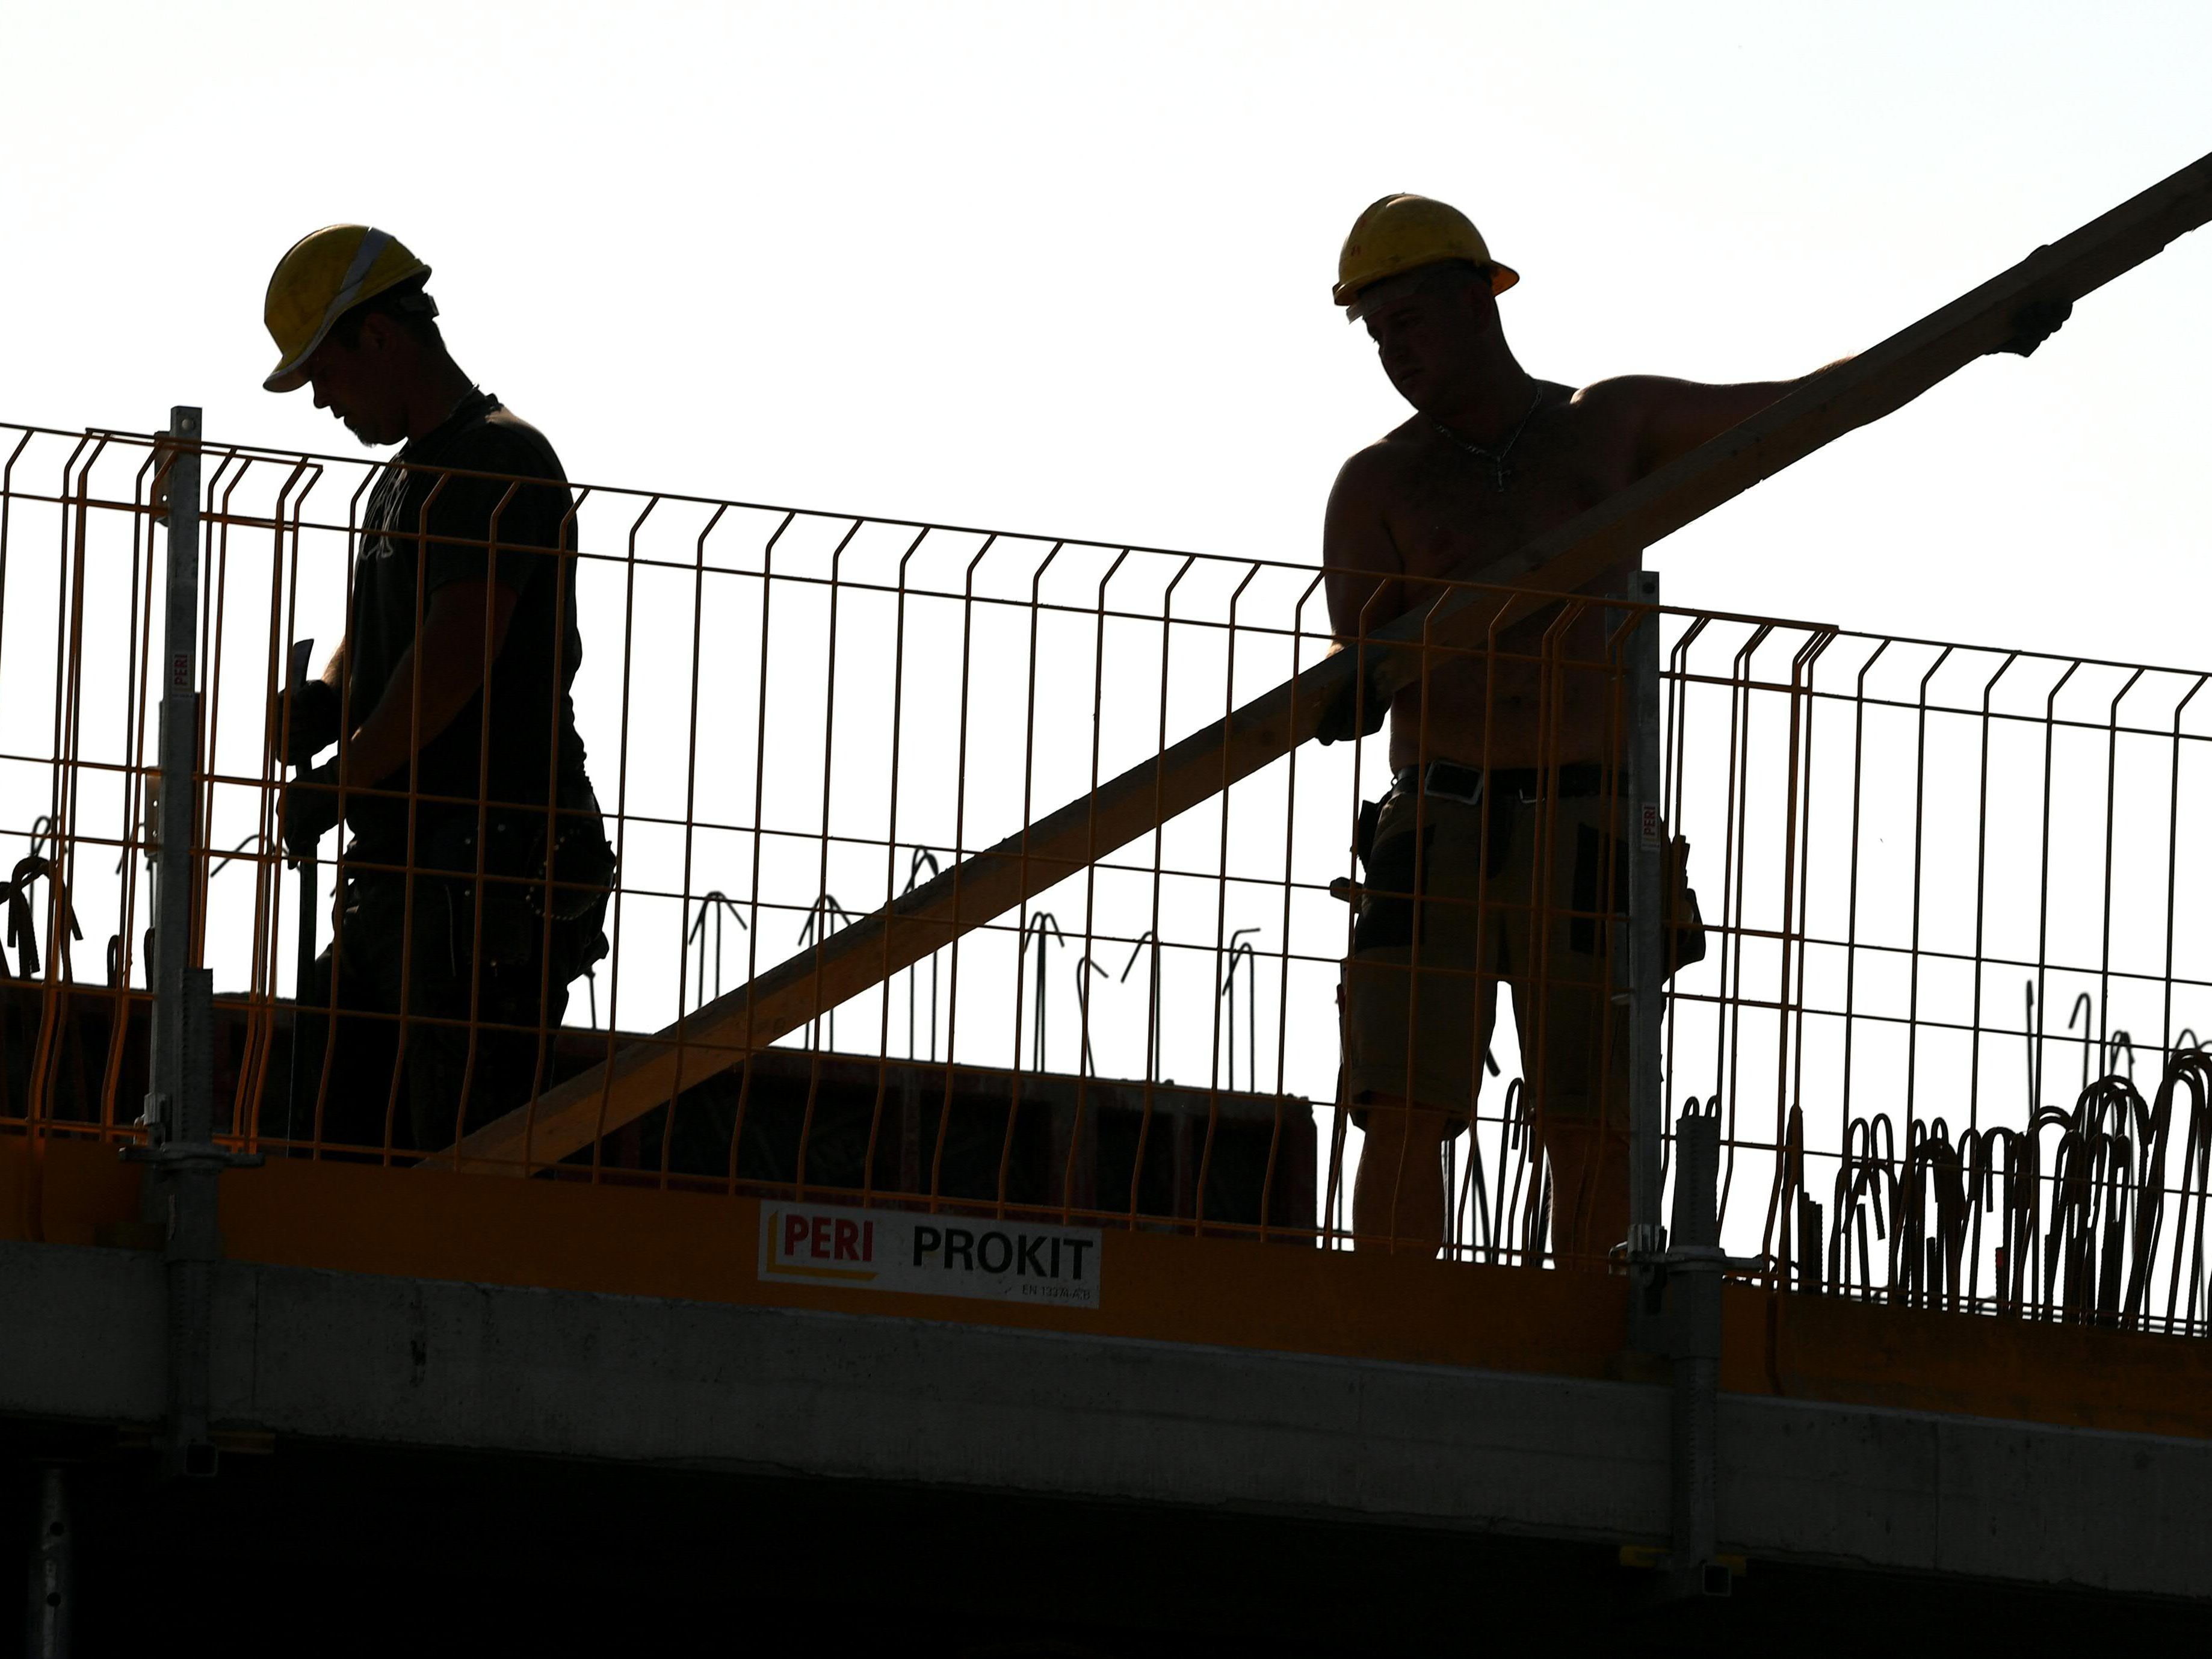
{"x":427,"y":528}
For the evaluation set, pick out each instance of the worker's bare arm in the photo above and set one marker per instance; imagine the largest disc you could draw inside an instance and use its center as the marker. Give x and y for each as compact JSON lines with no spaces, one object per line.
{"x":1358,"y":551}
{"x":452,"y":652}
{"x":1660,"y":419}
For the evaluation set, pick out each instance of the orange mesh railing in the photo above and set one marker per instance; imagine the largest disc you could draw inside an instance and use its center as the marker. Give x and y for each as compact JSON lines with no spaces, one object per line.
{"x":1947,"y":1009}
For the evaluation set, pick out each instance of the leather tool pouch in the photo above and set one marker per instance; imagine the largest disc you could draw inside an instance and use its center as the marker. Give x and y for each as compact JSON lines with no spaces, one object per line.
{"x":1686,"y":924}
{"x":523,"y":885}
{"x":582,"y":866}
{"x":1370,"y":819}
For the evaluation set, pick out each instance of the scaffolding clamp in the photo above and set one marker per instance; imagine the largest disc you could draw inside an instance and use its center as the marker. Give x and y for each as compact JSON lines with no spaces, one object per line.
{"x":181,"y":1156}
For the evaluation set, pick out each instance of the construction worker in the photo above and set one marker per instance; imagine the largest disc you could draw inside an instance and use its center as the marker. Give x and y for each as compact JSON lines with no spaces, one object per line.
{"x":476,"y":879}
{"x":1492,"y":458}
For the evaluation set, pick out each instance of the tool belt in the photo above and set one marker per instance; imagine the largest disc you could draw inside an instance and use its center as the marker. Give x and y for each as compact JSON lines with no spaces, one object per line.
{"x":1507,"y":791}
{"x":1507,"y":787}
{"x":1449,"y":781}
{"x":527,"y":882}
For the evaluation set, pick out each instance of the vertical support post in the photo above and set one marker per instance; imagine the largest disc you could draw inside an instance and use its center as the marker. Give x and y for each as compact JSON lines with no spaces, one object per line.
{"x":1647,"y":931}
{"x":1674,"y":1282}
{"x":183,"y":1161}
{"x":1644,"y":971}
{"x":179,"y":793}
{"x":1694,"y":1292}
{"x":182,"y":1112}
{"x":189,"y":1182}
{"x":49,"y":1607}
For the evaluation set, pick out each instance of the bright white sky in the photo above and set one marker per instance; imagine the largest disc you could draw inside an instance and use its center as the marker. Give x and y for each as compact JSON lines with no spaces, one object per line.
{"x":1065,"y":268}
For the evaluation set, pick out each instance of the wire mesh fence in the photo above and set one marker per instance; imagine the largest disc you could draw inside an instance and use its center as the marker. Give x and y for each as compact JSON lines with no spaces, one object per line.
{"x":1943,"y":977}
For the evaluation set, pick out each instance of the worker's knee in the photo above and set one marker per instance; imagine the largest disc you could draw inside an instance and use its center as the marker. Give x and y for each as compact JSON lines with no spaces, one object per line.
{"x":1388,"y":1120}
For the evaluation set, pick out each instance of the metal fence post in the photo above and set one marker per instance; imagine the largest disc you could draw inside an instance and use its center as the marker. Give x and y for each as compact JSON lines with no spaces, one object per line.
{"x":183,"y":1161}
{"x":174,"y":823}
{"x":1674,"y":1297}
{"x":1693,"y":1293}
{"x":1647,"y":930}
{"x":1645,"y":972}
{"x":50,"y":1603}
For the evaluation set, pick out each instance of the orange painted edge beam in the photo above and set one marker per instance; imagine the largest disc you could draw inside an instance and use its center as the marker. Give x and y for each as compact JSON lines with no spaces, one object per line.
{"x":557,"y":1234}
{"x":987,"y":885}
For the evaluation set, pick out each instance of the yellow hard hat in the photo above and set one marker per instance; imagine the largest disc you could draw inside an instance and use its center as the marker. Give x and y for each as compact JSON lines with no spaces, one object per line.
{"x":325,"y":276}
{"x":1402,"y":232}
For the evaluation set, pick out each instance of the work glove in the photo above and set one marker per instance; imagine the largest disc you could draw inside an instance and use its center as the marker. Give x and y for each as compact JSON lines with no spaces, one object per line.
{"x":315,"y":719}
{"x":1358,"y":710}
{"x":309,"y":809}
{"x":2032,"y":325}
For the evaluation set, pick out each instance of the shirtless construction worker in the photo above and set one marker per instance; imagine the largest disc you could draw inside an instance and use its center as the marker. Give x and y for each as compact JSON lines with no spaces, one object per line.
{"x":1492,"y":458}
{"x":450,"y":690}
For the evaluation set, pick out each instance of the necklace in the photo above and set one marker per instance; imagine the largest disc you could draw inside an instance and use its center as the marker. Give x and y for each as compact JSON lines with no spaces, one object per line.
{"x":1501,"y":475}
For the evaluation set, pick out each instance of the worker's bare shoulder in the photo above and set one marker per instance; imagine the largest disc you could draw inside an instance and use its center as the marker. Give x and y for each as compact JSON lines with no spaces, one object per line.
{"x":1612,"y":418}
{"x":1371,"y":474}
{"x":1625,"y":401}
{"x":1356,"y":531}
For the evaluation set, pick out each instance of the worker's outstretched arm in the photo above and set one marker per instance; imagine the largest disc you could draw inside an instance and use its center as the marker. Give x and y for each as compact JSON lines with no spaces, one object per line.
{"x":453,"y":654}
{"x":1665,"y":419}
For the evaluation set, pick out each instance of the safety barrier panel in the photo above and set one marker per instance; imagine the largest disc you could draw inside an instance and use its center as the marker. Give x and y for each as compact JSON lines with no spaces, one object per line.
{"x":1942,"y":985}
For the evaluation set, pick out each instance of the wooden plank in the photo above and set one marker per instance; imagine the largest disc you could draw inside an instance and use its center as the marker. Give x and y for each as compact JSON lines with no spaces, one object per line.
{"x":988,"y":884}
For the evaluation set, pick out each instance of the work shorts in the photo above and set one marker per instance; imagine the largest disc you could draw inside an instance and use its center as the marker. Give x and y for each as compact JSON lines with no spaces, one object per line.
{"x":1445,"y":917}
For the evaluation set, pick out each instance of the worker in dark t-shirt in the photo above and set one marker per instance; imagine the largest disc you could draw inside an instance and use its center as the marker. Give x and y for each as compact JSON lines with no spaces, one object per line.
{"x":427,"y":532}
{"x":471,"y":910}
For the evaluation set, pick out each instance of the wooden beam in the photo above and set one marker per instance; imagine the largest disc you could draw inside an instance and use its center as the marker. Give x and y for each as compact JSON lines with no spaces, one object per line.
{"x":987,"y":885}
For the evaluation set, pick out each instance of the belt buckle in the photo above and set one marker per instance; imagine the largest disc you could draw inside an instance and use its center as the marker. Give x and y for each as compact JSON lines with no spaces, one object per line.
{"x":1473,"y":798}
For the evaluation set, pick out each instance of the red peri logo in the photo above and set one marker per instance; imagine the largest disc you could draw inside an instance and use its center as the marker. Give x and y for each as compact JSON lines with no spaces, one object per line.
{"x":828,"y":1246}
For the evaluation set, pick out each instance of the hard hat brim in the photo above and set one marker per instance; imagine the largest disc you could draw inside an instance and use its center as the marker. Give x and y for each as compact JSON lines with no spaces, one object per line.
{"x":1502,"y":277}
{"x":291,"y":374}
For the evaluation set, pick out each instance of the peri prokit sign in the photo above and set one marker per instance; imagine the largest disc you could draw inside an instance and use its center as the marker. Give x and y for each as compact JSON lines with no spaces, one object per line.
{"x":931,"y":1255}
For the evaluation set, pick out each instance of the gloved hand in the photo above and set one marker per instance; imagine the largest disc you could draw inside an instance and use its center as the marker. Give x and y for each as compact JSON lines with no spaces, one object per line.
{"x":309,"y":809}
{"x":2032,"y":325}
{"x":1356,"y":711}
{"x":309,"y":720}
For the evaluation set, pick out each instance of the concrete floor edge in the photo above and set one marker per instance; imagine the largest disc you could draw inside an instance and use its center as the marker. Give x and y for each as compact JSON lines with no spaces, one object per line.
{"x":640,"y":1381}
